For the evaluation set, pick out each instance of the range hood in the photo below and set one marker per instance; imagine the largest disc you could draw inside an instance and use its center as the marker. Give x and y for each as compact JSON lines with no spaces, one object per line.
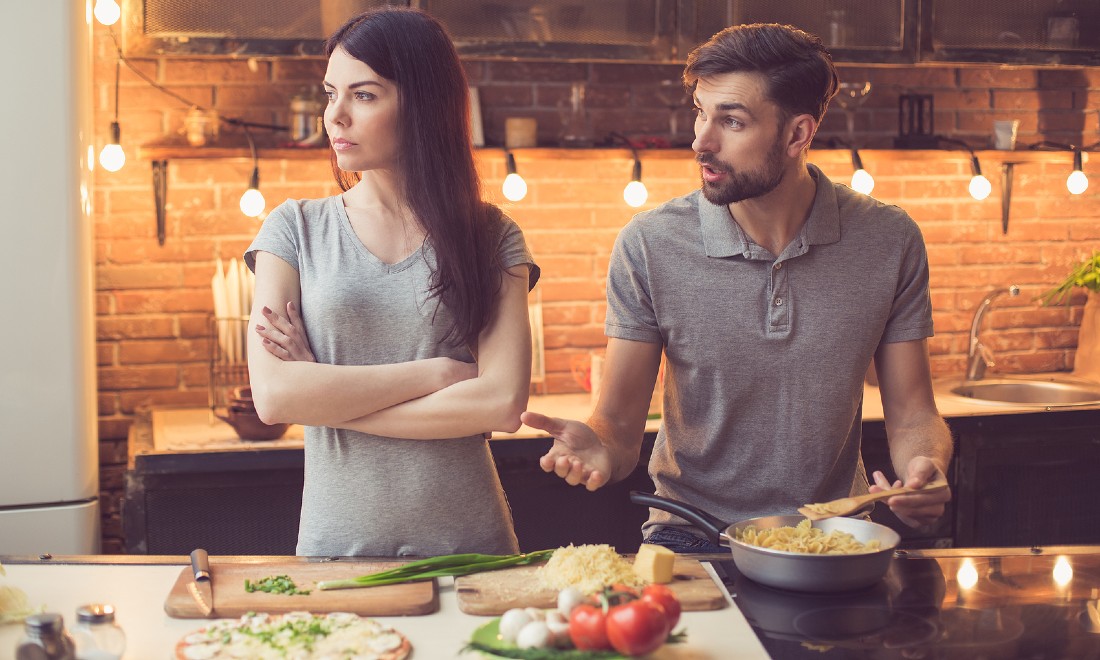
{"x":561,"y":30}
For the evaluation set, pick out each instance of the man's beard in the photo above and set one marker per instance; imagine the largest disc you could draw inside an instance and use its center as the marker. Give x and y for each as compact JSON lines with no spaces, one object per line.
{"x":740,"y":186}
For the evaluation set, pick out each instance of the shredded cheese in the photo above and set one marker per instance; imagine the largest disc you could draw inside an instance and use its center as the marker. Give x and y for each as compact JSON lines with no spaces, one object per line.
{"x":588,"y":568}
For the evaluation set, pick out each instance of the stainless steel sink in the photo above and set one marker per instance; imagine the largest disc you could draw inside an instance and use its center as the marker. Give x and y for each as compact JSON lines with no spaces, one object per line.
{"x":1027,"y":391}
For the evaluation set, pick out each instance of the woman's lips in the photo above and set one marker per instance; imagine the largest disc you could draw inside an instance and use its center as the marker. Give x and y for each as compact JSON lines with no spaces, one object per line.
{"x":340,"y":144}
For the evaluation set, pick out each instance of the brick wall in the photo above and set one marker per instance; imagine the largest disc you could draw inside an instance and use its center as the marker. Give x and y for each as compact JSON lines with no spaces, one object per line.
{"x":153,"y":301}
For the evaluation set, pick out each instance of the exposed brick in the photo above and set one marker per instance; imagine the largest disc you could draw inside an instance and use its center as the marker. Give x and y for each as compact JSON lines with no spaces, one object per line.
{"x":298,"y":70}
{"x":508,"y":95}
{"x":132,"y":401}
{"x":132,"y":327}
{"x":137,"y":377}
{"x":163,"y":351}
{"x":145,"y":302}
{"x":999,"y":77}
{"x":218,"y":71}
{"x":541,"y":71}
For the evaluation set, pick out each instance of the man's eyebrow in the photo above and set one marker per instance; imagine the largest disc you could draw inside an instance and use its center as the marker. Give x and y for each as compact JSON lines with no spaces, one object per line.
{"x":728,"y":107}
{"x":362,"y":83}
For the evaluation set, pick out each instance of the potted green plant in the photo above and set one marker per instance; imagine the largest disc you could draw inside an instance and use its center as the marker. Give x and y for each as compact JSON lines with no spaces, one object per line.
{"x":1087,"y":276}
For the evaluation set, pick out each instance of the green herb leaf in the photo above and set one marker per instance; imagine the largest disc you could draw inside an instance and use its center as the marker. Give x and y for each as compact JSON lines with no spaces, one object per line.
{"x":278,"y":584}
{"x":1085,"y":275}
{"x":433,"y":567}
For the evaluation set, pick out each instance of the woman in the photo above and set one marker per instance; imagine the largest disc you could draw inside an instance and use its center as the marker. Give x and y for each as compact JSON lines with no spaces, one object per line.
{"x":400,"y":281}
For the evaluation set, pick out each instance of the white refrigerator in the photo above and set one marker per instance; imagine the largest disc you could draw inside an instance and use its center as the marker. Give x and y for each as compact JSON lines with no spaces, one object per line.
{"x":49,"y":472}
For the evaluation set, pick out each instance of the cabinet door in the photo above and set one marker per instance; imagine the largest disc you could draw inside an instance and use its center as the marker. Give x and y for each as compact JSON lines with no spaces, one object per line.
{"x":884,"y":31}
{"x":1022,"y":31}
{"x":1026,"y":480}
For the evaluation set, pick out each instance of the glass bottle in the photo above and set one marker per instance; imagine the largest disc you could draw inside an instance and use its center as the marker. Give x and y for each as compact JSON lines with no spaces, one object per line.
{"x":44,"y":638}
{"x":96,"y":634}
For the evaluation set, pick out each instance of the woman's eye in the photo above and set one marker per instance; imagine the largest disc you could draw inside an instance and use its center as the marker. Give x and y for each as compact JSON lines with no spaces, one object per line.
{"x":733,"y":123}
{"x":364,"y":96}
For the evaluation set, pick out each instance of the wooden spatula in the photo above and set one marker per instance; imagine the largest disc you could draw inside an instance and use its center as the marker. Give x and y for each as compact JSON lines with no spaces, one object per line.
{"x":847,"y":505}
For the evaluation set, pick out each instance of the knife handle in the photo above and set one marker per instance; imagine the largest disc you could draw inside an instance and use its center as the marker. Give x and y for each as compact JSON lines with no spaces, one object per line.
{"x":200,"y":564}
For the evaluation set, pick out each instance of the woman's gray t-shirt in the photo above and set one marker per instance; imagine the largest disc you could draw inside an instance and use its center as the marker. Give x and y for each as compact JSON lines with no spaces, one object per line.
{"x":368,"y":495}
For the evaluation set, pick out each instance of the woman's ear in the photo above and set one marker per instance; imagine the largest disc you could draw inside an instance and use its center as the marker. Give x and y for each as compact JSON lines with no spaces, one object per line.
{"x":800,"y":133}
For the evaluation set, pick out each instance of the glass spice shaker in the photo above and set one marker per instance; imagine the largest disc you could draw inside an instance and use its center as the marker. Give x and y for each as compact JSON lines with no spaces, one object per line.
{"x":96,"y":634}
{"x":44,"y":638}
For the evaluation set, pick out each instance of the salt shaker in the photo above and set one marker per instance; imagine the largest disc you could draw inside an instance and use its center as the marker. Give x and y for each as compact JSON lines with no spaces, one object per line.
{"x":96,"y":634}
{"x":44,"y":638}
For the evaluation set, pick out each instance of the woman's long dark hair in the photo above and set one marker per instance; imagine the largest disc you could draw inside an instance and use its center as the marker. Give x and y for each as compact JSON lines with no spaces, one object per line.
{"x":412,"y":50}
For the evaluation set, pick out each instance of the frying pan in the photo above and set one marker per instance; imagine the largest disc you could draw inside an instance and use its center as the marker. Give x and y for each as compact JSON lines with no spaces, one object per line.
{"x":795,"y":571}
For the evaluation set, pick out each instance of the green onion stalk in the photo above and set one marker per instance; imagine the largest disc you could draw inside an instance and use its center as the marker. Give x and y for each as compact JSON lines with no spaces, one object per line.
{"x":433,"y":567}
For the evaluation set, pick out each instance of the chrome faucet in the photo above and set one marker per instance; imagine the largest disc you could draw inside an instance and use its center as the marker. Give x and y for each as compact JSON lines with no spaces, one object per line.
{"x":978,"y":354}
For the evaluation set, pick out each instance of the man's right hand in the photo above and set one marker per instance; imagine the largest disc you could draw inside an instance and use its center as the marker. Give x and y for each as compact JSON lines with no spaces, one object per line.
{"x":577,"y":455}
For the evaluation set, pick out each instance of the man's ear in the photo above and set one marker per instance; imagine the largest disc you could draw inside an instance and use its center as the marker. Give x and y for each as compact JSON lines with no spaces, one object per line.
{"x":800,"y":133}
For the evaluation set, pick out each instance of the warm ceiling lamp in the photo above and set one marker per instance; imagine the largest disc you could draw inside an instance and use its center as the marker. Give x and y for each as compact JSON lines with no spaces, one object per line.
{"x":1077,"y":182}
{"x":862,"y":181}
{"x":514,"y":188}
{"x":252,"y":201}
{"x":107,"y":12}
{"x":112,"y":157}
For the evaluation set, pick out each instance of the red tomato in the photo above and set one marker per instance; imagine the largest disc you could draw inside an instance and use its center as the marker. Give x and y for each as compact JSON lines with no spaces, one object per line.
{"x":587,"y":628}
{"x":663,"y":596}
{"x":637,"y":628}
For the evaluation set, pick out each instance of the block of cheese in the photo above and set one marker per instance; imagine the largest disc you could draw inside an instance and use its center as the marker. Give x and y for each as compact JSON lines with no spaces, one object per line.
{"x":654,"y":563}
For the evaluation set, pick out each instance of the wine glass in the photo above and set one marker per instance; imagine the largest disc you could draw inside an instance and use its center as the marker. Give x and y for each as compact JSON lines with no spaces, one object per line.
{"x":850,"y":96}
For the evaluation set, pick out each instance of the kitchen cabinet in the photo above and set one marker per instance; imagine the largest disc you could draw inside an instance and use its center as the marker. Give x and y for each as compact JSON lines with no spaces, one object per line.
{"x":1026,"y":480}
{"x":1019,"y":32}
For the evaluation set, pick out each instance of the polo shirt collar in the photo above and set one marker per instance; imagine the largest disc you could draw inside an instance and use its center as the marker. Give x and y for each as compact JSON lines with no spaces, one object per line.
{"x":722,"y":237}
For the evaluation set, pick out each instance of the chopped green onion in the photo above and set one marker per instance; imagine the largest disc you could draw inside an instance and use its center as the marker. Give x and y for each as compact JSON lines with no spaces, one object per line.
{"x":433,"y":567}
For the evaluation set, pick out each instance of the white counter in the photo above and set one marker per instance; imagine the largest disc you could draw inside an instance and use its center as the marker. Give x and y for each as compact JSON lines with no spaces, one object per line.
{"x":138,"y":593}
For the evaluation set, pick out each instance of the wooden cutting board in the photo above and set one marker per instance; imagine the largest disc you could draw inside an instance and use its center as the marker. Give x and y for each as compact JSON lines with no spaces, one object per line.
{"x":231,"y":600}
{"x":495,"y":592}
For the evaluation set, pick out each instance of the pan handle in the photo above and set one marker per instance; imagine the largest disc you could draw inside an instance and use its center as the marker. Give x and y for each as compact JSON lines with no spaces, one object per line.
{"x":708,"y":523}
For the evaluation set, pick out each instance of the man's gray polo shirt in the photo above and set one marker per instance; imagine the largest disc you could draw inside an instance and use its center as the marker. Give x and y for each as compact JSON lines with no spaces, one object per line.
{"x":766,"y":356}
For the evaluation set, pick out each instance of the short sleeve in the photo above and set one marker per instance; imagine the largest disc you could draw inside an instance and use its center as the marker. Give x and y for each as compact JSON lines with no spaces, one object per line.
{"x":279,"y":234}
{"x":630,"y":312}
{"x":911,"y":315}
{"x":513,"y":250}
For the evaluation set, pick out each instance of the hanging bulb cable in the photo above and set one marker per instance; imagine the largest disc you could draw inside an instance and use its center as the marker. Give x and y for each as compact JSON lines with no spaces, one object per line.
{"x":514,"y":188}
{"x":112,"y":157}
{"x":107,"y":12}
{"x":979,"y":187}
{"x":252,"y":201}
{"x":1077,"y":182}
{"x":862,"y":181}
{"x":635,"y":193}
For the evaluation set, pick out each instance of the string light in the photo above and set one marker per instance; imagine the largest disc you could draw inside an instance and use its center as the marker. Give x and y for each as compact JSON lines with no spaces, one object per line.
{"x":635,"y":193}
{"x":979,"y":187}
{"x":112,"y":157}
{"x":252,"y":201}
{"x":514,"y":188}
{"x":107,"y":12}
{"x":1077,"y":182}
{"x":862,"y":181}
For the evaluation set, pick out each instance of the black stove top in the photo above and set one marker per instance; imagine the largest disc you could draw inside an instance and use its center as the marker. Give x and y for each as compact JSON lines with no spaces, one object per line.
{"x":974,"y":607}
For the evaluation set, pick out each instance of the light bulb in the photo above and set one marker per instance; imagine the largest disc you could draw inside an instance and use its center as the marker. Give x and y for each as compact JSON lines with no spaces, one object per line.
{"x":967,"y":575}
{"x":635,"y":193}
{"x":107,"y":12}
{"x":863,"y":182}
{"x":1077,"y":182}
{"x":252,"y":202}
{"x":980,"y":187}
{"x":112,"y":158}
{"x":515,"y":188}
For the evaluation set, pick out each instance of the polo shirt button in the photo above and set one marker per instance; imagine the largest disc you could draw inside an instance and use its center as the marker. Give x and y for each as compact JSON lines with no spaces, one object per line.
{"x":778,"y":301}
{"x":778,"y":266}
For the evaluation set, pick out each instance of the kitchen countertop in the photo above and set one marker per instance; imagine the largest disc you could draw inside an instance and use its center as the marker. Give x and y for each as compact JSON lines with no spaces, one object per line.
{"x":981,"y":602}
{"x":197,"y":430}
{"x":137,"y":587}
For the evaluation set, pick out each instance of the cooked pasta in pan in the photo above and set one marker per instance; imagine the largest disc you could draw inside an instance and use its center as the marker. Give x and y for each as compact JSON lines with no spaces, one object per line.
{"x":807,"y":539}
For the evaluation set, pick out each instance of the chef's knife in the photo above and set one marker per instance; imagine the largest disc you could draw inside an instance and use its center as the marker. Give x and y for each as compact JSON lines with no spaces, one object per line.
{"x":202,"y":588}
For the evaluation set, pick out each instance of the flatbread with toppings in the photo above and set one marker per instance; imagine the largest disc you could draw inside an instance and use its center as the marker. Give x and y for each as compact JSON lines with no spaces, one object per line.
{"x":295,"y":636}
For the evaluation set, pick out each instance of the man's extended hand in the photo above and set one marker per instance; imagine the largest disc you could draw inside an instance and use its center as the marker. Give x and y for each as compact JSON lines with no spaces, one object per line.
{"x":916,"y":509}
{"x":577,"y":455}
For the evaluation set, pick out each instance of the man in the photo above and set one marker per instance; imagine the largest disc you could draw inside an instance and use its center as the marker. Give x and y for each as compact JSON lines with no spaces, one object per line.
{"x":769,"y":291}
